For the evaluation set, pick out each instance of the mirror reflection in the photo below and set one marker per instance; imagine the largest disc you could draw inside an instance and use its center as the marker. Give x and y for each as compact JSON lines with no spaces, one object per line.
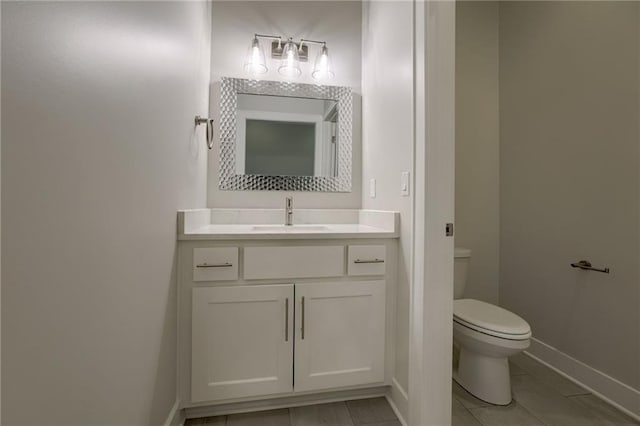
{"x":286,"y":136}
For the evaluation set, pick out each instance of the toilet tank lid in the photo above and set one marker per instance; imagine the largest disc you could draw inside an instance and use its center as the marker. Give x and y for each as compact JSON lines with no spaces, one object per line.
{"x":461,"y":252}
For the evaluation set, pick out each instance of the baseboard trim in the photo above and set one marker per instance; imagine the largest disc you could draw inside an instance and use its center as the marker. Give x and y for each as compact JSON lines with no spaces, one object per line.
{"x":175,"y":417}
{"x":616,"y":393}
{"x":399,"y":401}
{"x":284,"y":402}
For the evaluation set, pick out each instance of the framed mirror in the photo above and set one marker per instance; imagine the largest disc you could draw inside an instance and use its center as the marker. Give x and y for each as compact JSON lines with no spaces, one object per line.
{"x":285,"y":136}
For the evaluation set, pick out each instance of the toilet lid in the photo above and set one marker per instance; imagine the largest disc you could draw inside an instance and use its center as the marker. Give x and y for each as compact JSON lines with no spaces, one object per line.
{"x":490,"y":319}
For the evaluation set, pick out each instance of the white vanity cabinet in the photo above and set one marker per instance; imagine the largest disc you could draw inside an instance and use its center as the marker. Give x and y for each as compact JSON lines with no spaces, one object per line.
{"x":242,"y":341}
{"x":339,"y":334}
{"x":292,"y":319}
{"x":243,"y":338}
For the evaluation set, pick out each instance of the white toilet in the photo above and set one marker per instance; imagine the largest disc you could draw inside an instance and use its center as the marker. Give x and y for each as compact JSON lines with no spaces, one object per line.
{"x":486,"y":335}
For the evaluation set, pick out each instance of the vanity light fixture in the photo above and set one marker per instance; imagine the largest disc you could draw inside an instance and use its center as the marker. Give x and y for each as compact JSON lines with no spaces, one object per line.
{"x":289,"y":57}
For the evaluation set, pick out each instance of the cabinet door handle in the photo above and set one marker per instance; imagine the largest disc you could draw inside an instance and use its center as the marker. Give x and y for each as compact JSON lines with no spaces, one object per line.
{"x":214,"y":265}
{"x":286,"y":319}
{"x":376,"y":260}
{"x":302,"y":327}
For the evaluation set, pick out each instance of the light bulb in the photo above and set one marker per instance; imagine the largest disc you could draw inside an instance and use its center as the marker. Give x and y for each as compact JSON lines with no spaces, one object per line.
{"x":290,"y":65}
{"x":256,"y":62}
{"x":322,"y":69}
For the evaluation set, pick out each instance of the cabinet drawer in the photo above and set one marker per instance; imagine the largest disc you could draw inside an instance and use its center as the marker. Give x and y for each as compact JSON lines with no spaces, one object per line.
{"x":367,"y":260}
{"x":215,"y":264}
{"x":293,"y":262}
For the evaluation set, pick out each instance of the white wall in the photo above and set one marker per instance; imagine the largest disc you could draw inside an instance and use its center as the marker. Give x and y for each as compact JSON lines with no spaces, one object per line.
{"x":339,"y":24}
{"x":569,"y":174}
{"x":387,"y":147}
{"x":478,"y":145}
{"x":99,"y":152}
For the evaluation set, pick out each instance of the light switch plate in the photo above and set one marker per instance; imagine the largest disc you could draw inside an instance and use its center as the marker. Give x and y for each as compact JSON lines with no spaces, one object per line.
{"x":404,"y":184}
{"x":372,"y":188}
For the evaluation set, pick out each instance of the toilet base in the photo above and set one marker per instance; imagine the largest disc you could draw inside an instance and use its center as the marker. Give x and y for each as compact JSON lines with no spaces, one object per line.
{"x":486,"y":378}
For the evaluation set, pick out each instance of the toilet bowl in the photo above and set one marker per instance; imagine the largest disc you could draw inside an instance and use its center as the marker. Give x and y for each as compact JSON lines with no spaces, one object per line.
{"x":486,"y":336}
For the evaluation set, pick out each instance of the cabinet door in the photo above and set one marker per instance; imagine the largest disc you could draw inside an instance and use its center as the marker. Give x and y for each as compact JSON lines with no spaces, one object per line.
{"x":242,"y":341}
{"x":340,"y":334}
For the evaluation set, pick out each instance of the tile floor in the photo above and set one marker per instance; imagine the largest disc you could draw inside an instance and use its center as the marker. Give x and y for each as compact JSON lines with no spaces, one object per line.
{"x":366,"y":412}
{"x":540,"y":397}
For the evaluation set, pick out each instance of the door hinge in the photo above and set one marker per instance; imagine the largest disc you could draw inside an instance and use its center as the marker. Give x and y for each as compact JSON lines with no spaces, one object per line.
{"x":449,"y":230}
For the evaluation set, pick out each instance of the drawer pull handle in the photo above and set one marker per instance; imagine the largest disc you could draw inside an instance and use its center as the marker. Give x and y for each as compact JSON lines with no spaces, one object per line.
{"x":302,"y":328}
{"x":215,"y":265}
{"x":369,"y":261}
{"x":286,"y":319}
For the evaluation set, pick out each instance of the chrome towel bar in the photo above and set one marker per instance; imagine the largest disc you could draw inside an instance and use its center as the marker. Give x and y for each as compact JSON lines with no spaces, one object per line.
{"x":586,"y":265}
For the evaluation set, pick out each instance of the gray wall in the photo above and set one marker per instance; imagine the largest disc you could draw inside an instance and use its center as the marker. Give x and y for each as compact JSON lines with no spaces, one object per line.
{"x":569,"y":177}
{"x":99,"y":152}
{"x":478,"y":145}
{"x":338,"y":23}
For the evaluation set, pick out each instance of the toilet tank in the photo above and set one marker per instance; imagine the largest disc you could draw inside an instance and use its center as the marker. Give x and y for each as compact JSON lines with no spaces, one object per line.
{"x":460,"y":267}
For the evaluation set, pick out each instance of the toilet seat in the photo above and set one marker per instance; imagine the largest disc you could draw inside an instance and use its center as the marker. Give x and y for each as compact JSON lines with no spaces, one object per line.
{"x":490,"y":319}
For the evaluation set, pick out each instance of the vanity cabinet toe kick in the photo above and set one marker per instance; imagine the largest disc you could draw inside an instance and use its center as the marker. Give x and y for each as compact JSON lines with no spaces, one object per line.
{"x":260,"y":321}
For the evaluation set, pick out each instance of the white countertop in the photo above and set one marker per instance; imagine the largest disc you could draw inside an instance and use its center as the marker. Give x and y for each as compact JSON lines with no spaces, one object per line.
{"x":227,"y":224}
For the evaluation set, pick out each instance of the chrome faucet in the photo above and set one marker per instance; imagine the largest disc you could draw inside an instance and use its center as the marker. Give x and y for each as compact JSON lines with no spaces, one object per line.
{"x":288,"y":211}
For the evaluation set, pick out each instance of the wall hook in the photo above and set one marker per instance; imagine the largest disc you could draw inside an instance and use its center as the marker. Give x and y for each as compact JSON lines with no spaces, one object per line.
{"x":209,"y":123}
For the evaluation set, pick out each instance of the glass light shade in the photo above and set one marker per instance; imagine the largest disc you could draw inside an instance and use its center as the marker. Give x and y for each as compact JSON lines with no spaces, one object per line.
{"x":323,"y":69}
{"x":290,"y":64}
{"x":256,"y":62}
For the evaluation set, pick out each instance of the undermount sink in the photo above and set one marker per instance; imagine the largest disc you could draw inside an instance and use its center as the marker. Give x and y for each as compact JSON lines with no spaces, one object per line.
{"x":290,"y":228}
